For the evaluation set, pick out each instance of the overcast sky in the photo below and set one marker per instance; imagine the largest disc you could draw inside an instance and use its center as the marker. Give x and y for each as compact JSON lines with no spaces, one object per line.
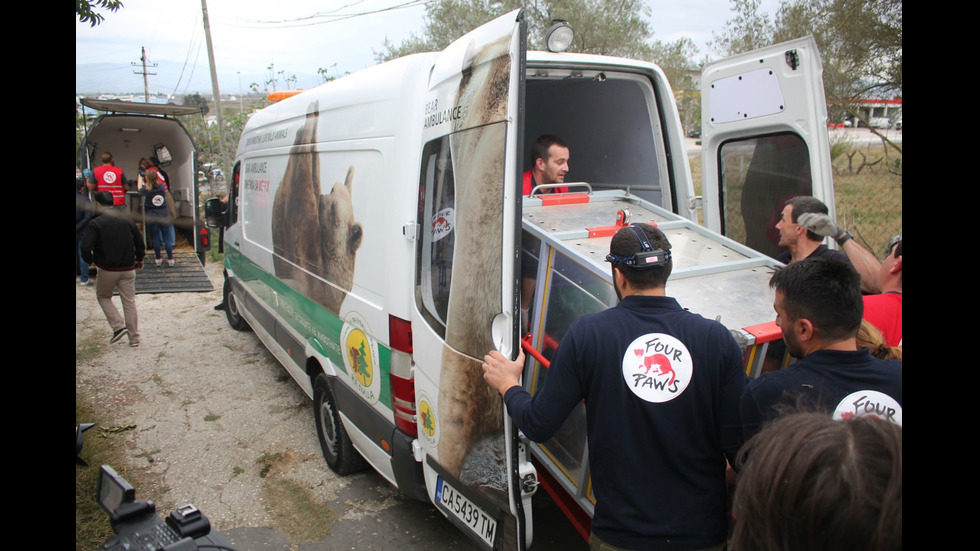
{"x":297,"y":36}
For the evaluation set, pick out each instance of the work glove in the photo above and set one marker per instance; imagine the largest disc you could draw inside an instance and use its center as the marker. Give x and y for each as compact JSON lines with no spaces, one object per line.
{"x":821,"y":224}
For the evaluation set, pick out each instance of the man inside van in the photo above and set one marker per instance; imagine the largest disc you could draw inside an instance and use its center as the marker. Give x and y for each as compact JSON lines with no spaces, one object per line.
{"x":661,"y":387}
{"x":109,"y":177}
{"x":549,"y":164}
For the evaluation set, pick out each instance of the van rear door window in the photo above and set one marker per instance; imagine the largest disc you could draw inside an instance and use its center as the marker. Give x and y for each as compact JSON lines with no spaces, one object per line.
{"x":758,"y":175}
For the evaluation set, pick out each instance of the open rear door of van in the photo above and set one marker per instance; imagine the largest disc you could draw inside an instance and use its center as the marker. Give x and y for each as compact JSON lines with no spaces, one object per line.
{"x":764,"y":140}
{"x":466,"y":302}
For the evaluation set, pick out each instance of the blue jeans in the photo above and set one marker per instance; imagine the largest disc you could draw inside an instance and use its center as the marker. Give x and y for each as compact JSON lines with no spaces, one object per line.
{"x":82,"y":265}
{"x":162,"y":233}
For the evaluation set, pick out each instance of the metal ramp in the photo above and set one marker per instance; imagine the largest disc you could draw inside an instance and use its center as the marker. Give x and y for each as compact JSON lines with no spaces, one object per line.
{"x":187,"y":276}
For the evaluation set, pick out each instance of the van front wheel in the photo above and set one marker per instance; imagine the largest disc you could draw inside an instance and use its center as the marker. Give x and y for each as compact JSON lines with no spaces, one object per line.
{"x":337,"y":448}
{"x":235,"y":319}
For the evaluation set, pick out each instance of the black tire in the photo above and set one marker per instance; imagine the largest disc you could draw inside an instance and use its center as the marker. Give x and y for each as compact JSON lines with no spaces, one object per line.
{"x":235,"y":318}
{"x":337,"y":448}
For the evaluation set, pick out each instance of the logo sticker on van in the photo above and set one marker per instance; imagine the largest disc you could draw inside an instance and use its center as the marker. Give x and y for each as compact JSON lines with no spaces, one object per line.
{"x":427,"y":420}
{"x":443,"y":223}
{"x":657,"y":367}
{"x":360,"y":353}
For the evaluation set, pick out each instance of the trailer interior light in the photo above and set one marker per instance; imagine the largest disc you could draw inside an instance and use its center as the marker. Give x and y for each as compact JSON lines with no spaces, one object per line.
{"x":559,"y":36}
{"x":130,"y":130}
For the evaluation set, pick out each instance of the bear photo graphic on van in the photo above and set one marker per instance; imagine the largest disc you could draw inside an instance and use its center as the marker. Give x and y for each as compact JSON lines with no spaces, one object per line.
{"x":470,"y":412}
{"x":314,"y":235}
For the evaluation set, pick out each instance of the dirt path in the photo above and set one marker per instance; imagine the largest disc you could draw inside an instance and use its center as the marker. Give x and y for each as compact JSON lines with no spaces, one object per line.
{"x":216,"y":418}
{"x":217,"y":422}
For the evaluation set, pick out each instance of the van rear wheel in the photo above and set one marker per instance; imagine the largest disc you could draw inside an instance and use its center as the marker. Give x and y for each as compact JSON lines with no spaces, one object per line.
{"x":235,"y":319}
{"x":337,"y":448}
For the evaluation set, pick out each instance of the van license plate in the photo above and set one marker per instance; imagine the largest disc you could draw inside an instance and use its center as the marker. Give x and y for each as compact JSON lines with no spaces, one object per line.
{"x":466,"y":511}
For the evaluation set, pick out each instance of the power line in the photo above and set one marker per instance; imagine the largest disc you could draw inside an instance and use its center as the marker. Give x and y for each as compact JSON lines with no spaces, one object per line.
{"x":305,"y":21}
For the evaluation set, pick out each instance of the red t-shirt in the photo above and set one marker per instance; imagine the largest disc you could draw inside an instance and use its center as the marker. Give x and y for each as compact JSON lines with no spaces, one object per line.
{"x":529,"y":185}
{"x":884,"y":311}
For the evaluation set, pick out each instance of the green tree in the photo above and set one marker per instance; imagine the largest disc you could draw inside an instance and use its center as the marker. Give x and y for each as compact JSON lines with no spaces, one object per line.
{"x":605,"y":27}
{"x":197,"y":100}
{"x":748,"y":29}
{"x":860,"y":44}
{"x":86,"y":12}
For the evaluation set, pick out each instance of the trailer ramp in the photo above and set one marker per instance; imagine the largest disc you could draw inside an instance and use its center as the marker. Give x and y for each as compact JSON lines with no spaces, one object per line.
{"x":186,"y":276}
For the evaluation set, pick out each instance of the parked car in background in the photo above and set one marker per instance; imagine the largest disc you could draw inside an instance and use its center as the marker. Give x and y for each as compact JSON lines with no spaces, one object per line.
{"x":880,"y":122}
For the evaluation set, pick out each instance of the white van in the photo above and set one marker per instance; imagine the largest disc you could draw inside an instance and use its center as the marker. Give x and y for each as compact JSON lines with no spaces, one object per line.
{"x":377,"y":227}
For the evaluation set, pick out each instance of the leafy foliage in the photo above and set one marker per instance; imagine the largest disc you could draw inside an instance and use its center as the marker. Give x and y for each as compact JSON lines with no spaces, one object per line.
{"x":605,"y":27}
{"x":86,"y":12}
{"x":196,"y":100}
{"x":860,"y":45}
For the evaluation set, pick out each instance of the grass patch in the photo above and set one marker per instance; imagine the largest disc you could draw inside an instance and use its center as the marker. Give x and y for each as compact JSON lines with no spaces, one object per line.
{"x":89,"y":349}
{"x":92,"y":525}
{"x":212,"y":417}
{"x":267,"y":461}
{"x":285,"y":498}
{"x":236,"y":470}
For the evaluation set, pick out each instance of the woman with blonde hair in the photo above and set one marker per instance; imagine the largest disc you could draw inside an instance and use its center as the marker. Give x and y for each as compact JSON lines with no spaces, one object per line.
{"x":157,"y":216}
{"x":869,"y":336}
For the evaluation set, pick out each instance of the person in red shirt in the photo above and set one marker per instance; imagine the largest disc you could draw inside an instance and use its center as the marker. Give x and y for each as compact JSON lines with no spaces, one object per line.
{"x":109,"y":177}
{"x":884,"y":311}
{"x":549,"y":164}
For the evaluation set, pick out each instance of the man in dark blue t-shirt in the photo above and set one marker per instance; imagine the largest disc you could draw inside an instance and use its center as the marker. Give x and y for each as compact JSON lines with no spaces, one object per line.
{"x":819,"y":309}
{"x":661,"y":387}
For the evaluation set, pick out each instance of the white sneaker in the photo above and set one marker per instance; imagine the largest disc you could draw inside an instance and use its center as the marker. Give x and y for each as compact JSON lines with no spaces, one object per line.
{"x":158,"y":261}
{"x":171,"y":262}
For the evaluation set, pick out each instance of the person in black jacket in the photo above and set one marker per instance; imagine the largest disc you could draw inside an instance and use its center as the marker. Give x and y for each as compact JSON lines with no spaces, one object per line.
{"x":83,"y":215}
{"x":114,"y":244}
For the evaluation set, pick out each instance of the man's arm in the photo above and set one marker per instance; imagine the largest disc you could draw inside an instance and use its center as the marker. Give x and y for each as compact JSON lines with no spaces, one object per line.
{"x":540,"y":416}
{"x":862,"y":259}
{"x":865,"y":263}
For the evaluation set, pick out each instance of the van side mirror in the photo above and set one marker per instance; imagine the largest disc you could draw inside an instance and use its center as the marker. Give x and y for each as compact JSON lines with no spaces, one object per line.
{"x":214,"y":212}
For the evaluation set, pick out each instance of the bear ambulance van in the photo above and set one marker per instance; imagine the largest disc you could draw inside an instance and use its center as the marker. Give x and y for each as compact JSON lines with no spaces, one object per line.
{"x":376,"y":231}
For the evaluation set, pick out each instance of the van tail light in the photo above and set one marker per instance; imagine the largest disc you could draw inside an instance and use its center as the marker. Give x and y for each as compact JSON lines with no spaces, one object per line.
{"x":402,"y":376}
{"x":205,"y":238}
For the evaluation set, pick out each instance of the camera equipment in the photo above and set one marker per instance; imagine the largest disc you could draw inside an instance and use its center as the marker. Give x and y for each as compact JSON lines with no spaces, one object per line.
{"x":138,"y":527}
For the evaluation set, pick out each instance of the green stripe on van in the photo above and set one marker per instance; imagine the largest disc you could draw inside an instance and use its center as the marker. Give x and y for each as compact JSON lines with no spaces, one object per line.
{"x":316,"y":325}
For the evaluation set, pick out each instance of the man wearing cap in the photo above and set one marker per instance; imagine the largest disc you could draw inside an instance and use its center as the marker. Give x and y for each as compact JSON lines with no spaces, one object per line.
{"x":115,"y":245}
{"x":661,"y":387}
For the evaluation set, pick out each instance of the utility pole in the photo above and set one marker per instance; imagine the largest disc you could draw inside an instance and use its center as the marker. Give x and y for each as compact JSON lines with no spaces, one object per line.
{"x":214,"y":87}
{"x":146,"y":84}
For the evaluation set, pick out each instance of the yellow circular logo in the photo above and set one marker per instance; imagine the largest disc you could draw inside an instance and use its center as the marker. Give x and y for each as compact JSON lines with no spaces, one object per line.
{"x":427,"y":419}
{"x":358,"y":351}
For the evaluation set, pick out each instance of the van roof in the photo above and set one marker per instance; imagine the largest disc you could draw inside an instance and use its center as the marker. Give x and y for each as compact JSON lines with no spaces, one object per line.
{"x":138,"y":108}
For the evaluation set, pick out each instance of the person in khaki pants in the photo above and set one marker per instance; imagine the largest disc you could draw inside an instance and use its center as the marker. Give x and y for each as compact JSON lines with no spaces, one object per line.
{"x":114,"y":244}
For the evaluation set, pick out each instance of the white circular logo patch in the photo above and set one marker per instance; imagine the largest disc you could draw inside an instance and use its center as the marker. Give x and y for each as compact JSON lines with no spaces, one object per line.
{"x":869,"y":402}
{"x":109,"y":177}
{"x":157,"y":200}
{"x":657,"y":367}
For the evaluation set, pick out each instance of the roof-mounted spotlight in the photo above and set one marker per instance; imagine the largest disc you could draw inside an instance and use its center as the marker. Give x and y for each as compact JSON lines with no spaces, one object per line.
{"x":559,"y":36}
